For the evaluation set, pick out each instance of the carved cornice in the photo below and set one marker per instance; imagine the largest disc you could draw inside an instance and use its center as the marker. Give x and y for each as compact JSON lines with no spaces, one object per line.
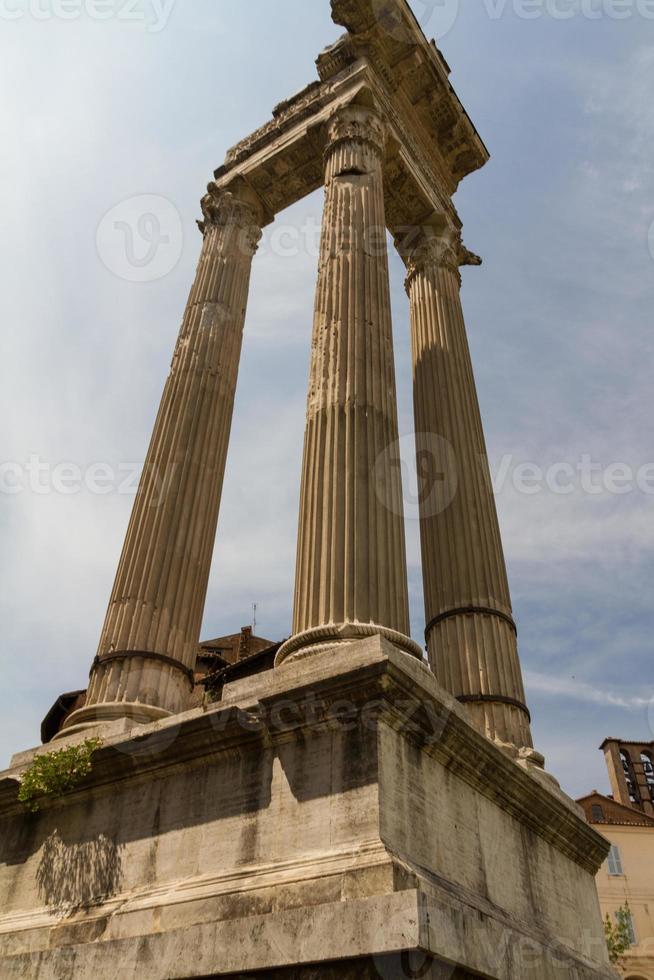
{"x":224,"y":209}
{"x":387,"y":34}
{"x":432,"y":142}
{"x":354,"y":15}
{"x":335,"y":59}
{"x":443,"y":124}
{"x":288,"y":111}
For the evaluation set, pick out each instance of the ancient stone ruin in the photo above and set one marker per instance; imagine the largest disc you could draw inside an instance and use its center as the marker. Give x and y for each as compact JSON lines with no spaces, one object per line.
{"x":350,"y":811}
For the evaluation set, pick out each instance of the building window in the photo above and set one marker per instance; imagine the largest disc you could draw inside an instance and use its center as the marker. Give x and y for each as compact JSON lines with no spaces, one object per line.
{"x":630,"y":777}
{"x":648,"y":769}
{"x":626,"y":916}
{"x":615,"y":861}
{"x":597,"y":813}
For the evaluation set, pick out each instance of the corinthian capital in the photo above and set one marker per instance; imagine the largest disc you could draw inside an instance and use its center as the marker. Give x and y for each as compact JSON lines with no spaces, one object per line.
{"x":356,"y":124}
{"x":424,"y":249}
{"x":227,"y":209}
{"x":431,"y":251}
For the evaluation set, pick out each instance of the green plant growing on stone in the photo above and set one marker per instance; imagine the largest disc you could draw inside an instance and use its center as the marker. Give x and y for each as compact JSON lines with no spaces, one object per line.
{"x":56,"y":773}
{"x":618,"y":933}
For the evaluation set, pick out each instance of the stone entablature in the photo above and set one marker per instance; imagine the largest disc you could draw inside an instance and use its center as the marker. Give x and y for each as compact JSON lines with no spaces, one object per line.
{"x":414,"y":87}
{"x":433,"y":144}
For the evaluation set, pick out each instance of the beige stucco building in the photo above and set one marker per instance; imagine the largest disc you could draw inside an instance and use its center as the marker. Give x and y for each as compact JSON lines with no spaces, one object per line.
{"x":626,"y":819}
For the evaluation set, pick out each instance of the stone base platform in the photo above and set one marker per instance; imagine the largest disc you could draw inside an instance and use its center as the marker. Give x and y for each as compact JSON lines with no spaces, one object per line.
{"x":336,"y":817}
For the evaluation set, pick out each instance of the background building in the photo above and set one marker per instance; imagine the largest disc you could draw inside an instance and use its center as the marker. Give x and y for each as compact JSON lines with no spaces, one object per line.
{"x":626,"y":818}
{"x":218,"y":662}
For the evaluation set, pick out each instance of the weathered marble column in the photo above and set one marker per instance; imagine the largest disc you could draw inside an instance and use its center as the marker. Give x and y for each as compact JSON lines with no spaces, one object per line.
{"x":471,"y":635}
{"x":351,"y":565}
{"x":144,"y":666}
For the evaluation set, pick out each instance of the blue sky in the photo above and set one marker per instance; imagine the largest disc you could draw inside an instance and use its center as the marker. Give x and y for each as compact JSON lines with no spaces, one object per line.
{"x":559,"y":317}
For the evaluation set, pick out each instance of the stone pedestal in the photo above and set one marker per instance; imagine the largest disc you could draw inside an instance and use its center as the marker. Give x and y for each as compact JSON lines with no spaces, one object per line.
{"x":144,"y":666}
{"x":471,"y":635}
{"x":339,"y":816}
{"x":351,"y":563}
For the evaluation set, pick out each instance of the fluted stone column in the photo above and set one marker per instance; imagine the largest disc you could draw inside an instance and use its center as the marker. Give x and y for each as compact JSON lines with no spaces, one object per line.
{"x":144,"y":666}
{"x":351,"y":564}
{"x":471,"y":635}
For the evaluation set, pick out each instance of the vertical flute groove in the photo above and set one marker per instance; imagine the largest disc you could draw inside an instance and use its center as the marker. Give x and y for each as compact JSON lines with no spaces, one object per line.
{"x":473,"y":654}
{"x":351,"y":560}
{"x":158,"y":597}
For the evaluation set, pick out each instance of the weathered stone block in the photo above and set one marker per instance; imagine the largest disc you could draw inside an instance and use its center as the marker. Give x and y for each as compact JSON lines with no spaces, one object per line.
{"x":338,"y":809}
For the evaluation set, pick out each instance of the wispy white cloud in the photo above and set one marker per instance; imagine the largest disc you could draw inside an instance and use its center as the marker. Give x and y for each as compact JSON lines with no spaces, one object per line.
{"x":549,"y":528}
{"x":562,"y":687}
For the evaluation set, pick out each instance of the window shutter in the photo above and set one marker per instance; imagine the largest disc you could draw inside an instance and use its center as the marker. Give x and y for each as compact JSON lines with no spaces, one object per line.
{"x":615,"y":861}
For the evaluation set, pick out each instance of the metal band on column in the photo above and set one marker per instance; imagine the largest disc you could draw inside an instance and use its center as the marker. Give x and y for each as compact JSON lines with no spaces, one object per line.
{"x":471,"y":634}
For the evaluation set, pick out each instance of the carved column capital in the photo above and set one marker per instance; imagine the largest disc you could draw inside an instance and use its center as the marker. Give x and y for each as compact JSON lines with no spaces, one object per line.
{"x":226,"y":209}
{"x":355,"y":125}
{"x":429,"y":250}
{"x":425,"y":249}
{"x":432,"y":252}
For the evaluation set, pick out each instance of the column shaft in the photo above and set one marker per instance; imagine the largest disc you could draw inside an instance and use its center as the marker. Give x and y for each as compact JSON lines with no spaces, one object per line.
{"x":351,"y":563}
{"x":151,"y":633}
{"x":471,"y":635}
